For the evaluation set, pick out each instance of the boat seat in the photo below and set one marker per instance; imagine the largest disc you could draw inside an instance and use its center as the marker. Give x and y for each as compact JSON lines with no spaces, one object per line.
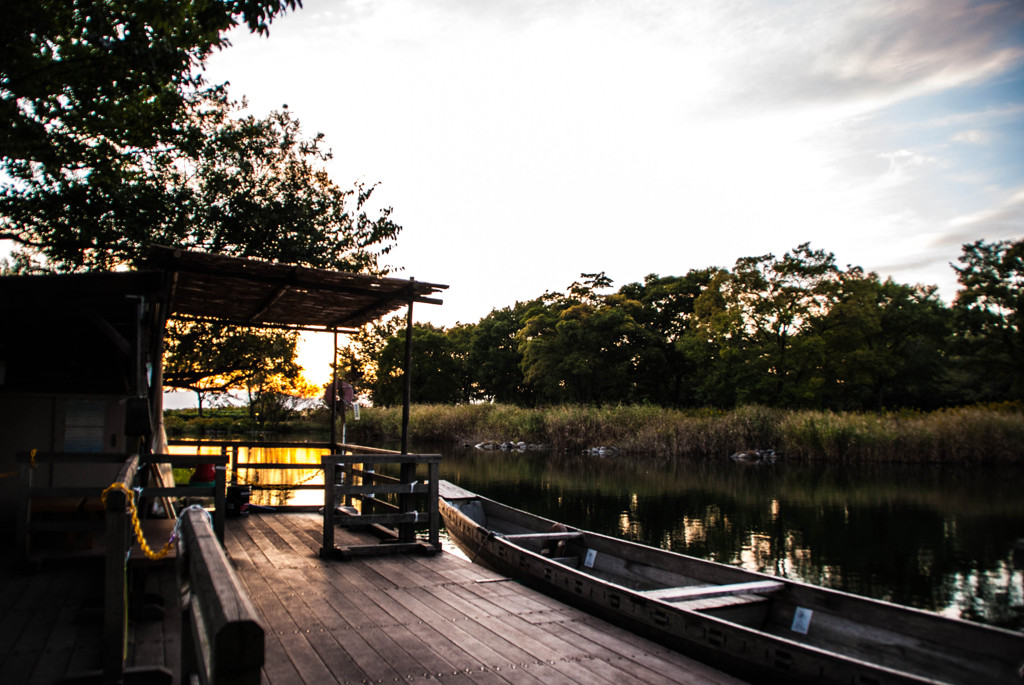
{"x":695,"y":592}
{"x":543,"y":537}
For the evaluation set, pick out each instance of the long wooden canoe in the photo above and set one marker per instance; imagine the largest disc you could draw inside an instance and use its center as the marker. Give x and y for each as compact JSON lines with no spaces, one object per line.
{"x":760,"y":627}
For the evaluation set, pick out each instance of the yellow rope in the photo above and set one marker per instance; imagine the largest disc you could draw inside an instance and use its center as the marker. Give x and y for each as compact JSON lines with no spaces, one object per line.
{"x":143,"y":545}
{"x":32,"y":455}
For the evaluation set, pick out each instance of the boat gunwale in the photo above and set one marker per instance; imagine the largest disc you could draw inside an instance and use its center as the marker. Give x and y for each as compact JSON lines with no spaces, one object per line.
{"x":983,"y":635}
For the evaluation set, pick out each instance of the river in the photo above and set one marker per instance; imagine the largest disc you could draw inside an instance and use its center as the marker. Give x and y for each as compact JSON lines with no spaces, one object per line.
{"x":940,"y":538}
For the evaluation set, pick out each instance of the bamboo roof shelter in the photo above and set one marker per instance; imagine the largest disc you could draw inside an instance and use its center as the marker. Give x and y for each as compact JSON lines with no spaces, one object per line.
{"x":264,"y":294}
{"x":258,"y":293}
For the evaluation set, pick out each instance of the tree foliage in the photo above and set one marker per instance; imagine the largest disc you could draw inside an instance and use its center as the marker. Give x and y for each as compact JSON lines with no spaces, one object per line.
{"x":210,"y":358}
{"x":94,"y":94}
{"x":435,"y":368}
{"x":112,"y":140}
{"x":990,"y":312}
{"x":790,"y":331}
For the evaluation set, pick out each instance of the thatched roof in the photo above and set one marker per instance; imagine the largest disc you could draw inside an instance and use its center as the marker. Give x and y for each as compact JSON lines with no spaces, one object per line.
{"x":93,"y":332}
{"x":251,"y":292}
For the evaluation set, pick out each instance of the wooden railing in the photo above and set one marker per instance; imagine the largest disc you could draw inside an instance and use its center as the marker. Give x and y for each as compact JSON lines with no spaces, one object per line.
{"x":397,"y":521}
{"x":232,"y":449}
{"x":115,"y":528}
{"x":222,"y":640}
{"x":214,"y":491}
{"x":73,"y":509}
{"x":394,"y":521}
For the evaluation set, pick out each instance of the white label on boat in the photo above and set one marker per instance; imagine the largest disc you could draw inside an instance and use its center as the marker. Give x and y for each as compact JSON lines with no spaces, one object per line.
{"x":591,"y":556}
{"x":801,"y":620}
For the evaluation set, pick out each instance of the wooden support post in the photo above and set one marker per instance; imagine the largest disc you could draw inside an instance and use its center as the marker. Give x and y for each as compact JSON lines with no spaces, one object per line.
{"x":330,"y":490}
{"x":407,"y":377}
{"x":432,"y":507}
{"x":219,"y":488}
{"x":24,"y":511}
{"x":115,"y":584}
{"x":234,"y":463}
{"x":333,"y":404}
{"x":407,"y":472}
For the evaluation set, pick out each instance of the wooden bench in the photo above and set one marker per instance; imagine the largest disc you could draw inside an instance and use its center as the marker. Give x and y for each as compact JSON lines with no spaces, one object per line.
{"x":543,"y":537}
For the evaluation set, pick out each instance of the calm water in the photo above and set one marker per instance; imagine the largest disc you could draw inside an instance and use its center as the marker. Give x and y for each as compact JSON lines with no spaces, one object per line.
{"x":935,"y":537}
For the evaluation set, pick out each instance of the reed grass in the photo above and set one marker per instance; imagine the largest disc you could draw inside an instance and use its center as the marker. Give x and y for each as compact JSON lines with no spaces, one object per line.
{"x":975,"y":434}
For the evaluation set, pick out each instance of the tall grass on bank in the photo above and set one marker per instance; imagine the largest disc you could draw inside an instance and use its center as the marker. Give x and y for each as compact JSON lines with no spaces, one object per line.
{"x":990,"y":433}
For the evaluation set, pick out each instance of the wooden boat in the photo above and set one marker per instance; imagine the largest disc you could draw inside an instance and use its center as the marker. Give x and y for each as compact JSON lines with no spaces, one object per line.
{"x":760,"y":627}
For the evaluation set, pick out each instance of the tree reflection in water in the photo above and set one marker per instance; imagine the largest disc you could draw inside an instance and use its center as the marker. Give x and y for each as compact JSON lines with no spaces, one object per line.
{"x":935,"y":537}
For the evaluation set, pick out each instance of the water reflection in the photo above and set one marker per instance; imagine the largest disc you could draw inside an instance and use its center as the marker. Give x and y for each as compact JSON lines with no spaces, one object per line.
{"x":935,"y":537}
{"x":939,"y":538}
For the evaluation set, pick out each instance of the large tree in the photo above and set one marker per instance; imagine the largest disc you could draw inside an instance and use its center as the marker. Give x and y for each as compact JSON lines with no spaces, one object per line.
{"x":91,"y":89}
{"x":209,"y":358}
{"x":990,"y":313}
{"x":756,"y":316}
{"x":584,"y":346}
{"x":236,"y":184}
{"x":666,"y":375}
{"x":494,"y":356}
{"x":883,"y":343}
{"x":438,"y":374}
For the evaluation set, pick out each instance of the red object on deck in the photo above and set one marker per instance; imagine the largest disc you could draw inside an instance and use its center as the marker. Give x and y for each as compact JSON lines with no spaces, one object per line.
{"x":204,"y":473}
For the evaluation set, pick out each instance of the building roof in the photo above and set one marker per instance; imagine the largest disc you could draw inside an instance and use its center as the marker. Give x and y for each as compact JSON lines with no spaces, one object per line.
{"x":258,"y":293}
{"x":77,"y":333}
{"x":92,"y":332}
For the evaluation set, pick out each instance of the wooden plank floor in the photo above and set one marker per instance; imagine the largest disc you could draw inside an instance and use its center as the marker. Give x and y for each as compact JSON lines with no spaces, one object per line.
{"x":386,"y":619}
{"x":50,"y":621}
{"x":408,"y":617}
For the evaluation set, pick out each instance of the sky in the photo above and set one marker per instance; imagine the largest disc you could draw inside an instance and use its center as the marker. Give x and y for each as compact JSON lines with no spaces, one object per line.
{"x":522,"y":143}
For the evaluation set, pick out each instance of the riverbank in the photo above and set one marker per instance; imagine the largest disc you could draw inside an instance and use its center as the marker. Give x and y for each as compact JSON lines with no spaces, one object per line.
{"x":976,"y":434}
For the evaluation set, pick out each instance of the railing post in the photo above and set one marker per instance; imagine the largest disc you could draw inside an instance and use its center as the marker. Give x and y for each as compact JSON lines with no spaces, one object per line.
{"x":24,"y":511}
{"x":406,"y":503}
{"x":330,"y":495}
{"x":432,"y":507}
{"x":219,"y":487}
{"x":234,"y":464}
{"x":115,"y":590}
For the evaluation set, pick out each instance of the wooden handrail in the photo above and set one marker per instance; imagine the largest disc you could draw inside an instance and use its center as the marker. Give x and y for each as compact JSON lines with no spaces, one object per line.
{"x":222,"y":640}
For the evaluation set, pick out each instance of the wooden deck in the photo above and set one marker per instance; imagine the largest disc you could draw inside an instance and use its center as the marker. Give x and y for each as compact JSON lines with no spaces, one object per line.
{"x":401,"y":618}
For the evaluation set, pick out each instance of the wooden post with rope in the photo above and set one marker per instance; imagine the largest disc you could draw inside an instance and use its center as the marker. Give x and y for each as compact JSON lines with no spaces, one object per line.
{"x":118,"y":503}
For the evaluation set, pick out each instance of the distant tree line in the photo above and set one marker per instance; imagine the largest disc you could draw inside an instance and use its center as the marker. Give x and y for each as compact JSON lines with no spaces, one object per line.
{"x":795,"y":331}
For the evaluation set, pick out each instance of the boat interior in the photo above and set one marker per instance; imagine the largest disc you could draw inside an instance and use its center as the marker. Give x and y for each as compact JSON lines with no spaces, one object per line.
{"x":828,"y":620}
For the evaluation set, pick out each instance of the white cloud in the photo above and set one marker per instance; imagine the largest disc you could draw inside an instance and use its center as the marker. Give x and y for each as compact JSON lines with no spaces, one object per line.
{"x":973,"y":137}
{"x":524,"y":142}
